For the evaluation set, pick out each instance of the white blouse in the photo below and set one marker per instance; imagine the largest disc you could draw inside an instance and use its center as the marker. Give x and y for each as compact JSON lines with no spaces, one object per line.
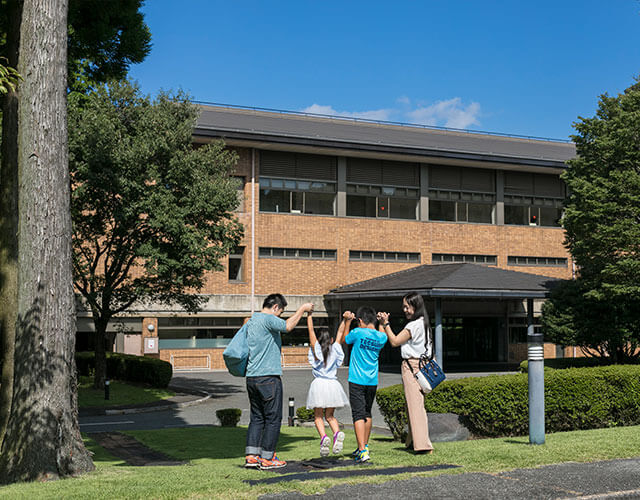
{"x":415,"y":346}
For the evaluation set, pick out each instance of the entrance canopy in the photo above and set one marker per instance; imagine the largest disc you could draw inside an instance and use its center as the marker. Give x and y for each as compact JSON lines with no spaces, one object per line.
{"x":460,"y":280}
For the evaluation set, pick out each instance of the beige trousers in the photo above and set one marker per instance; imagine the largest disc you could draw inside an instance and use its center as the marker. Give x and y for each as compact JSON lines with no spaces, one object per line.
{"x":418,"y":424}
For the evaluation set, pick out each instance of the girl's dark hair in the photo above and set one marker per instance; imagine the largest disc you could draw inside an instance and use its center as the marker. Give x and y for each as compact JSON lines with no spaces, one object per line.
{"x":324,"y":339}
{"x":415,"y":301}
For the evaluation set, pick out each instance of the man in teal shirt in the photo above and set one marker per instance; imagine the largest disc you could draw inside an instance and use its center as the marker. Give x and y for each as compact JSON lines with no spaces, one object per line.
{"x":366,"y":343}
{"x":264,"y":385}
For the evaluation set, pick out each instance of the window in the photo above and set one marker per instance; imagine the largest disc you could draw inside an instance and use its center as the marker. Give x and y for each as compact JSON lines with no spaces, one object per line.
{"x":239,"y":182}
{"x":537,"y":261}
{"x":382,"y":189}
{"x":459,"y":194}
{"x":438,"y":258}
{"x":236,"y":261}
{"x":297,"y":183}
{"x":296,"y":253}
{"x":372,"y":256}
{"x":533,"y":199}
{"x":518,"y":329}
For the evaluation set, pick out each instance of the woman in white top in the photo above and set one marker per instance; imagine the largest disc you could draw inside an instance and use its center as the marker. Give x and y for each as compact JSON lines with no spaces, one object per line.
{"x":326,"y":393}
{"x":413,"y":342}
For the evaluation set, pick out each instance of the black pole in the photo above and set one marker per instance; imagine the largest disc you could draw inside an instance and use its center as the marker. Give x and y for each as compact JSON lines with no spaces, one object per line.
{"x":106,"y":389}
{"x":291,"y":411}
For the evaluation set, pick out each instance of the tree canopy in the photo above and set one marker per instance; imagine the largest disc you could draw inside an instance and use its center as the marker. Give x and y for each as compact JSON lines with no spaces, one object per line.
{"x":602,"y":223}
{"x":152,"y":214}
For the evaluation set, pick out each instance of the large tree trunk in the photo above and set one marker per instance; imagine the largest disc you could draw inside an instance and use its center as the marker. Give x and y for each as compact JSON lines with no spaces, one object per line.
{"x":43,"y":439}
{"x":9,"y":225}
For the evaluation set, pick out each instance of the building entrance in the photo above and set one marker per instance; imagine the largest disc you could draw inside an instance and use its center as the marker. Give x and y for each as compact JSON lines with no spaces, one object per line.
{"x":470,"y":340}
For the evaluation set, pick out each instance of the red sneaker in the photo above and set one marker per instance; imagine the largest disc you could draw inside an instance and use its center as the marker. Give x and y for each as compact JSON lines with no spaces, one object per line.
{"x":274,"y":463}
{"x":252,"y":461}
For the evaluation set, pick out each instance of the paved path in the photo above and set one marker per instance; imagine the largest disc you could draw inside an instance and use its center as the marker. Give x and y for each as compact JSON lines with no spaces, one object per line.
{"x":611,"y":479}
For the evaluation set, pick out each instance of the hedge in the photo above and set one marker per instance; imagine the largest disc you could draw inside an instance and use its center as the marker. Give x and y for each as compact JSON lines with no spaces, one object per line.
{"x":126,"y":367}
{"x":493,"y":406}
{"x":562,"y":363}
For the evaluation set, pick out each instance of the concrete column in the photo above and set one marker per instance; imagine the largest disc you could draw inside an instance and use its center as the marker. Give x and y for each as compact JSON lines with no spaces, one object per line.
{"x":438,"y":339}
{"x":499,"y":197}
{"x":341,"y":197}
{"x":149,"y":330}
{"x":424,"y":192}
{"x":536,"y":380}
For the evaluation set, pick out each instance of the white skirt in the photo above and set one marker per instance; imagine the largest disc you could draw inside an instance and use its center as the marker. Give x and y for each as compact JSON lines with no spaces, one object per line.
{"x":326,"y":393}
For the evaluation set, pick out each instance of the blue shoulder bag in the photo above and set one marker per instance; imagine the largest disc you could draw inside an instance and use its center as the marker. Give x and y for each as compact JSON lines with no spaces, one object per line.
{"x":236,"y":354}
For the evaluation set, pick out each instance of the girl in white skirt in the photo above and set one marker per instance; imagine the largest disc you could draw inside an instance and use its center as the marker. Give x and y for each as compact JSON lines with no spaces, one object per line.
{"x":326,"y":393}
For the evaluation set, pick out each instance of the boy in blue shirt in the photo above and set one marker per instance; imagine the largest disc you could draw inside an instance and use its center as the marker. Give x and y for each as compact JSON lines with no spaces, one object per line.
{"x":366,"y":342}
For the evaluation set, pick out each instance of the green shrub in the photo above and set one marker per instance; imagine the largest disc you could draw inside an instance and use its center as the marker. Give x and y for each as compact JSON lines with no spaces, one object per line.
{"x":126,"y":367}
{"x":304,"y":414}
{"x":562,"y":363}
{"x":229,"y":417}
{"x":575,"y":398}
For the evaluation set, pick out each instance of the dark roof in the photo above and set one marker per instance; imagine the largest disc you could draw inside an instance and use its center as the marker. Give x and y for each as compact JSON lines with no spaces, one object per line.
{"x":335,"y":132}
{"x":450,"y":280}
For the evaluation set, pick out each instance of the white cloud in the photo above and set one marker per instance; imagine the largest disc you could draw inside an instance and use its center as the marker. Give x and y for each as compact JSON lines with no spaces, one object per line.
{"x":376,"y":114}
{"x":450,"y":113}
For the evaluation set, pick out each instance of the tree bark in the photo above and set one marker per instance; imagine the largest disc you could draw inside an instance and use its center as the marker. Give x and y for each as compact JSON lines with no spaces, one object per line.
{"x":42,"y":439}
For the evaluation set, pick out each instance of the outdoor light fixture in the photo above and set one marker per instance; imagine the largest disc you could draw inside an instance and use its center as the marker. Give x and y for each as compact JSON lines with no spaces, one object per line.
{"x":150,"y":327}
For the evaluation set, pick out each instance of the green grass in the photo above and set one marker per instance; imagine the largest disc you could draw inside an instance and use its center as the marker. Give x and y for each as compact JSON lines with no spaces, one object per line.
{"x":120,"y":393}
{"x":216,"y":456}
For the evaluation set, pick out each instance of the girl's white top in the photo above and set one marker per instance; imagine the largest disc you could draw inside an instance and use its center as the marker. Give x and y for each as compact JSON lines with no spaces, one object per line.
{"x":336,"y":356}
{"x":414,"y":347}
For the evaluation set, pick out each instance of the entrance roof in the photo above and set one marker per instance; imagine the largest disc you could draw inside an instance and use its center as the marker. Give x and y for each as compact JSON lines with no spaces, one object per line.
{"x":450,"y":280}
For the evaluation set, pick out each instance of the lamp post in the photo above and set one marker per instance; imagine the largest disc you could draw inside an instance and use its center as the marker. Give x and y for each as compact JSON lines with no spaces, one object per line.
{"x":291,"y":411}
{"x":536,"y":379}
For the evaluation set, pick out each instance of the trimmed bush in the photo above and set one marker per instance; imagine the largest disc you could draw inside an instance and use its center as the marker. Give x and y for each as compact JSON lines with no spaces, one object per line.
{"x":575,"y":398}
{"x":304,"y":414}
{"x":229,"y":417}
{"x":562,"y":363}
{"x":126,"y":367}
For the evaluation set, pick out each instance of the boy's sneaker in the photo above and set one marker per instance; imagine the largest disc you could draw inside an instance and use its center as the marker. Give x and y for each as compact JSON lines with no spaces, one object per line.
{"x":338,"y":441}
{"x":273,"y":463}
{"x":324,"y":446}
{"x":252,"y":461}
{"x":355,"y":452}
{"x":363,"y":456}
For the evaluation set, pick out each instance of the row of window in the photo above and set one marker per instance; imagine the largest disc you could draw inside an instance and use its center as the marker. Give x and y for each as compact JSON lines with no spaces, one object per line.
{"x":307,"y":184}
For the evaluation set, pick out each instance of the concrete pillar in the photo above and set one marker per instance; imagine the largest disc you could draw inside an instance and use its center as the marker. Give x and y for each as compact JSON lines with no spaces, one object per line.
{"x":149,"y":331}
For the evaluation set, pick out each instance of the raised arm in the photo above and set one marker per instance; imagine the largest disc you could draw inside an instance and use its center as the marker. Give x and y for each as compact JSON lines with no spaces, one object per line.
{"x":297,"y":316}
{"x":312,"y":334}
{"x":347,"y":318}
{"x":384,"y":327}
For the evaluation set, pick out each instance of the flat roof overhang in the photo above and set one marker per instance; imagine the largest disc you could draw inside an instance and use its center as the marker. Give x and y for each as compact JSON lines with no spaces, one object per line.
{"x":440,"y":293}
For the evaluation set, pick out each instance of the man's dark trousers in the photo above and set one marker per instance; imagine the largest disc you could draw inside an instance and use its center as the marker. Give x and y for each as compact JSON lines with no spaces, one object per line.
{"x":265,"y":397}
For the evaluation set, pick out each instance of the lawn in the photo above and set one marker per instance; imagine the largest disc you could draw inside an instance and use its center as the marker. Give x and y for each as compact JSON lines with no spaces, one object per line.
{"x":216,"y":456}
{"x":120,"y":393}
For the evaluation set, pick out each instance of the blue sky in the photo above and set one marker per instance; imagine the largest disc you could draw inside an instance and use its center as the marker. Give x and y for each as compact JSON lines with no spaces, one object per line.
{"x":528,"y":68}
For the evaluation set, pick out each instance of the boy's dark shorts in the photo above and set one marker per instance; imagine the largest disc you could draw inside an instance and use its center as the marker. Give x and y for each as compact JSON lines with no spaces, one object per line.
{"x":361,"y":398}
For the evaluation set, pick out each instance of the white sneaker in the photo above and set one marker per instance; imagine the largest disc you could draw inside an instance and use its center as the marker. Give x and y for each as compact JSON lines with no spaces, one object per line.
{"x":324,"y":446}
{"x":338,"y":441}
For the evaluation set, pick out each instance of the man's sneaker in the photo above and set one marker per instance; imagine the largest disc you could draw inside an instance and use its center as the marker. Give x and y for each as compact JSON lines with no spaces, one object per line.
{"x":252,"y":461}
{"x":338,"y":441}
{"x":363,"y":456}
{"x":324,"y":446}
{"x":273,"y":463}
{"x":355,"y":452}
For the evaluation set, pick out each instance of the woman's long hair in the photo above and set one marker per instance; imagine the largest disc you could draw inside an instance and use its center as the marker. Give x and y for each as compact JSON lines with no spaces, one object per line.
{"x":415,"y":301}
{"x":324,"y":339}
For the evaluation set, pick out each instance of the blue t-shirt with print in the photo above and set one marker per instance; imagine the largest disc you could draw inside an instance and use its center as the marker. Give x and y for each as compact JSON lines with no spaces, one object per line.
{"x":265,"y":344}
{"x":363,"y":365}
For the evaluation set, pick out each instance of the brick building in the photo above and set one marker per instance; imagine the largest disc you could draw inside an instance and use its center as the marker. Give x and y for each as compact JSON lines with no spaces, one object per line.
{"x":329,"y":202}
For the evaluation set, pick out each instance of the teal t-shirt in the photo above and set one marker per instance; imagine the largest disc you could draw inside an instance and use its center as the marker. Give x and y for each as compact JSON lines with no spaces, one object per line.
{"x":363,"y":364}
{"x":265,"y":344}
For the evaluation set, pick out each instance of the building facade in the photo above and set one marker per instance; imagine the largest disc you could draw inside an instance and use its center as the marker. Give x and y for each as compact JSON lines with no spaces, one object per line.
{"x":327,"y":202}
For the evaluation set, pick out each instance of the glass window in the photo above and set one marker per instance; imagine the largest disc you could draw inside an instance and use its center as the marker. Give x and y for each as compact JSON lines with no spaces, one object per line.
{"x":550,"y":216}
{"x":403,"y":208}
{"x":442,"y":210}
{"x":236,"y":258}
{"x":361,"y":206}
{"x":274,"y":201}
{"x":480,"y":212}
{"x":383,"y":206}
{"x":514,"y":214}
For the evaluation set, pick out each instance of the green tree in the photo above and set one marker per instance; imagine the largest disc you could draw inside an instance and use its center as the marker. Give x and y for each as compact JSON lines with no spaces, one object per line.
{"x":602,"y":224}
{"x":151,"y":213}
{"x":39,"y":431}
{"x":9,"y":77}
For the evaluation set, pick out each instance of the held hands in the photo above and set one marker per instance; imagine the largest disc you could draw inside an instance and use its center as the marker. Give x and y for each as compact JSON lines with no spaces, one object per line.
{"x":308,"y":308}
{"x":348,"y":316}
{"x":383,"y":318}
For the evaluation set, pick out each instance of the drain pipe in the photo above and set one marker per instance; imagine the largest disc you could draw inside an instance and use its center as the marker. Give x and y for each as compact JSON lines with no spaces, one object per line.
{"x":253,"y":229}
